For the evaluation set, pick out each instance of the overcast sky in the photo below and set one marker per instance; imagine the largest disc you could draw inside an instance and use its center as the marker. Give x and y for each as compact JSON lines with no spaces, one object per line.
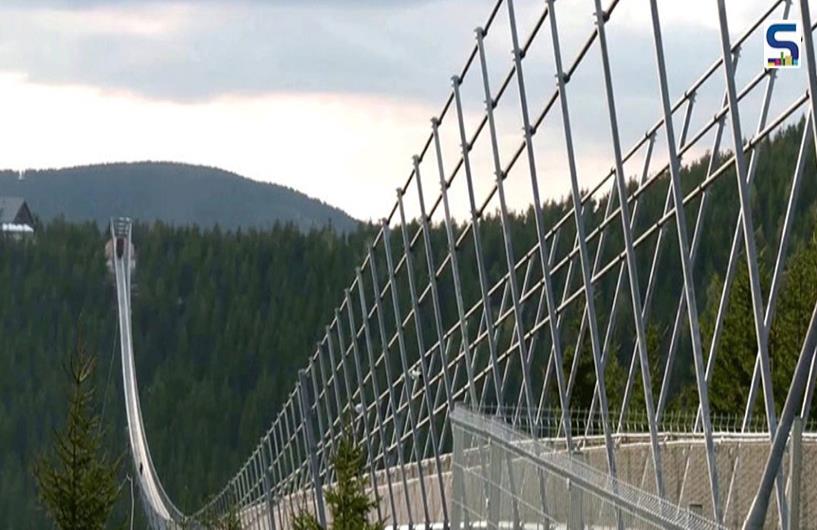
{"x":331,"y":97}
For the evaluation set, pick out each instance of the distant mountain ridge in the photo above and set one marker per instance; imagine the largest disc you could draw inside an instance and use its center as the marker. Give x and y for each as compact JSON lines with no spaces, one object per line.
{"x":175,"y":193}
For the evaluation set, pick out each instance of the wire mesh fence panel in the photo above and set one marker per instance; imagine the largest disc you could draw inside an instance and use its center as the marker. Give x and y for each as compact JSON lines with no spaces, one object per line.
{"x":505,"y":478}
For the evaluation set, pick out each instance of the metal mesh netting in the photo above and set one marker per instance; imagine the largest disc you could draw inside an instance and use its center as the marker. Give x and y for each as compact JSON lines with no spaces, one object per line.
{"x":503,"y":478}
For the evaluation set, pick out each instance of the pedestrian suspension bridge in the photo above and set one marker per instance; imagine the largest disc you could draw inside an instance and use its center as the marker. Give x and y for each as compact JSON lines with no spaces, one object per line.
{"x":462,"y":399}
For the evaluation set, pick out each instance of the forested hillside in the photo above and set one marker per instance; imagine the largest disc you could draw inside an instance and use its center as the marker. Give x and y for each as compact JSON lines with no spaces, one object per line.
{"x":178,"y":194}
{"x":222,"y":321}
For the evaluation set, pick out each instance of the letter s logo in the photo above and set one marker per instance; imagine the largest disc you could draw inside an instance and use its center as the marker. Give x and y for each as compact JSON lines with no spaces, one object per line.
{"x":783,"y":51}
{"x":774,"y":29}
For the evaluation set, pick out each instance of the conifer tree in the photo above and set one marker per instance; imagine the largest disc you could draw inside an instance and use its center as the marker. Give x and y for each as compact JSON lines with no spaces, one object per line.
{"x":77,"y":480}
{"x":348,"y":504}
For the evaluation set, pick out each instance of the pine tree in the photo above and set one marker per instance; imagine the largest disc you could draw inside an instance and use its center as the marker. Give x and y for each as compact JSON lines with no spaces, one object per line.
{"x":77,"y":480}
{"x":348,"y":504}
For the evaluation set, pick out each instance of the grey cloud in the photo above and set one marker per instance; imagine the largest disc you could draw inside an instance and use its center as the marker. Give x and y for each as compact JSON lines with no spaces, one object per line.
{"x":395,"y":49}
{"x":251,"y":49}
{"x":85,"y":4}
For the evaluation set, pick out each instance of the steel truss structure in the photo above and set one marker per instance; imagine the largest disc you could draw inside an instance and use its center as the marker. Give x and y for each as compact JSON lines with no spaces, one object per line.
{"x":409,"y":338}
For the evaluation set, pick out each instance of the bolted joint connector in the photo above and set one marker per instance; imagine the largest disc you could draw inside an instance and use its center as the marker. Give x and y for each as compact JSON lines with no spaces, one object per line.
{"x":415,"y":160}
{"x":399,"y":192}
{"x":456,"y":80}
{"x":737,"y":52}
{"x":435,"y":122}
{"x":479,"y":31}
{"x":518,"y":54}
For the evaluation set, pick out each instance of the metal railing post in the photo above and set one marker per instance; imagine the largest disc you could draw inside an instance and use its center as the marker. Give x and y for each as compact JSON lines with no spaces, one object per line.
{"x":457,"y":479}
{"x":266,"y":466}
{"x":306,"y":414}
{"x":757,"y":513}
{"x":584,"y":255}
{"x":363,"y":411}
{"x":796,"y":468}
{"x":455,"y":268}
{"x":424,"y":374}
{"x":492,"y":454}
{"x":686,"y":264}
{"x":397,"y":422}
{"x":401,"y":343}
{"x":475,"y":224}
